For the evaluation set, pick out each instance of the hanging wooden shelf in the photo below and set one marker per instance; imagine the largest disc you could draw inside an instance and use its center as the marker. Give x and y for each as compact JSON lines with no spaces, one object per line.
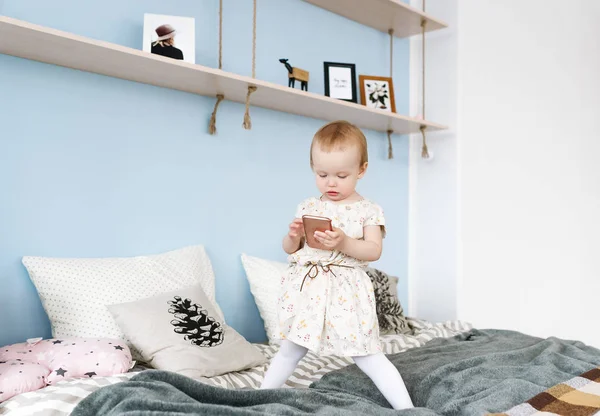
{"x":383,"y":15}
{"x":43,"y":44}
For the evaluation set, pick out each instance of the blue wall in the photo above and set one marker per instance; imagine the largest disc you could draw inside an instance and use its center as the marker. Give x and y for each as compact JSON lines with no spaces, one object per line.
{"x":95,"y":166}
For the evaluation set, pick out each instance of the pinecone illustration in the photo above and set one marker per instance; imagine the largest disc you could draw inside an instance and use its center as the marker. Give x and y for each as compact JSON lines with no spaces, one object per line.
{"x":199,"y":328}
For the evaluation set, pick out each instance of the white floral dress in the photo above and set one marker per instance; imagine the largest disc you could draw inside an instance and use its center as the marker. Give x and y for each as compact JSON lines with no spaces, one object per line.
{"x":327,"y":302}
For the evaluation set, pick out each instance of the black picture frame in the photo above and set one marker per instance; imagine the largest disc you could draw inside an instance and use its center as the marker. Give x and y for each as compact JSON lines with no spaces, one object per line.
{"x":329,"y":89}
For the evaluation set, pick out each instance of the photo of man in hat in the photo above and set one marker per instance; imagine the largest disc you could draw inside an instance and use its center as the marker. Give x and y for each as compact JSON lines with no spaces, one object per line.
{"x":165,"y":44}
{"x":170,"y":36}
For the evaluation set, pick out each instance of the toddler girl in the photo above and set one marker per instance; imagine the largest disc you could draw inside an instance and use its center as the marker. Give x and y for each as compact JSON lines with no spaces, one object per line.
{"x":327,"y":302}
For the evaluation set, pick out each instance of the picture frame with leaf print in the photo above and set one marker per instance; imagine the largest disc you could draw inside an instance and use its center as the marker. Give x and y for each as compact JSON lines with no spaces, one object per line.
{"x":377,"y":92}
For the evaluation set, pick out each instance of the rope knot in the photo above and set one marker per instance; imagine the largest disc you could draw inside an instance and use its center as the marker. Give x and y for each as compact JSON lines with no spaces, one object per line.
{"x":212,"y":125}
{"x":251,"y":88}
{"x":247,"y":120}
{"x":424,"y":150}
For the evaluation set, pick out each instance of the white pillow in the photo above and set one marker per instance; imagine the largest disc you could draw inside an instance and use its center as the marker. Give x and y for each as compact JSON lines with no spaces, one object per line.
{"x":264,"y":277}
{"x":75,"y":291}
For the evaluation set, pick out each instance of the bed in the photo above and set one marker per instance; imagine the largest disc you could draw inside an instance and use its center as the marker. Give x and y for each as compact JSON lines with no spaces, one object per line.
{"x":61,"y":399}
{"x":450,"y":368}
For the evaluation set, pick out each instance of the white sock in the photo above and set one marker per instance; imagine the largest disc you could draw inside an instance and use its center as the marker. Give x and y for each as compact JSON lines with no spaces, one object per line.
{"x":283,"y":364}
{"x":387,"y":379}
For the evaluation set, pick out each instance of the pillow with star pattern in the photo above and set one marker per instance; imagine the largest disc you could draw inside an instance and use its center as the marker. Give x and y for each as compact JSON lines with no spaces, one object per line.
{"x":37,"y":363}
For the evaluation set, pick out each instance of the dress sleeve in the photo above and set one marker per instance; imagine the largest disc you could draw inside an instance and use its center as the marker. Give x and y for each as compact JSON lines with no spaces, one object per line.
{"x":300,"y":211}
{"x":302,"y":208}
{"x":375,"y":217}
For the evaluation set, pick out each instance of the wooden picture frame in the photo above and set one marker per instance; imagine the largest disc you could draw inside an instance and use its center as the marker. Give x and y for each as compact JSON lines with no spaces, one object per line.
{"x":340,"y":81}
{"x":368,"y":96}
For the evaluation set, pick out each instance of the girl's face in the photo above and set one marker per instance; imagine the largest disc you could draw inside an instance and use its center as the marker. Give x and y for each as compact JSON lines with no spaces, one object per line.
{"x":337,"y":171}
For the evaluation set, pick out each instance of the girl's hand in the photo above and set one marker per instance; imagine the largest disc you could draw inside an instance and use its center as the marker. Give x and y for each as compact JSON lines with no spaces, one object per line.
{"x":296,"y":229}
{"x":333,"y":240}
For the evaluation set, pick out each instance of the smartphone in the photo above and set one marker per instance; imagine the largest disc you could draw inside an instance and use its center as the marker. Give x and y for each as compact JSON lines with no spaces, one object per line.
{"x":314,"y":223}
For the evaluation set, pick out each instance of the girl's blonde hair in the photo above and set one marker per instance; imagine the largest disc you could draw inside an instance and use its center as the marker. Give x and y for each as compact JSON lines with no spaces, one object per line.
{"x":338,"y":134}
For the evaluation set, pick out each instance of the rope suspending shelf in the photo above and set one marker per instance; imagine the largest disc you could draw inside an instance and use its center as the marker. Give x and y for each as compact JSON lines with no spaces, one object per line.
{"x":212,"y":125}
{"x":251,"y":88}
{"x":389,"y":132}
{"x":424,"y":151}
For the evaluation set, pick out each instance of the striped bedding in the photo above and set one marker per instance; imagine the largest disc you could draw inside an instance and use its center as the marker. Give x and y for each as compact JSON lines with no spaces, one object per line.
{"x":60,"y":399}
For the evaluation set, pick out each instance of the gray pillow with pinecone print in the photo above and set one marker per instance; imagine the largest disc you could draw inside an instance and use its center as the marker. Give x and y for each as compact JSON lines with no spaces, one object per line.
{"x":180,"y":331}
{"x":389,"y":311}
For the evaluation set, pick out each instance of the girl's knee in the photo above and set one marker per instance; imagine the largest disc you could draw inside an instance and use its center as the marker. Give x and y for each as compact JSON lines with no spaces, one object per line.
{"x":368,"y":360}
{"x":292,"y":351}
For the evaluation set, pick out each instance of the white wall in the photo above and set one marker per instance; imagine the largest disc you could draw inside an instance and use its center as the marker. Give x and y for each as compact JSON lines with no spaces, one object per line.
{"x":433,"y":184}
{"x":528,"y":124}
{"x":529,"y":177}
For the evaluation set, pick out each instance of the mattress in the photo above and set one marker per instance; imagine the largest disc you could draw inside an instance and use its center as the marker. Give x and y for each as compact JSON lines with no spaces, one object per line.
{"x":61,"y":398}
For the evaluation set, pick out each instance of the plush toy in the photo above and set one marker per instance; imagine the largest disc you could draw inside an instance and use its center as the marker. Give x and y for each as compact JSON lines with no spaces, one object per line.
{"x":37,"y":363}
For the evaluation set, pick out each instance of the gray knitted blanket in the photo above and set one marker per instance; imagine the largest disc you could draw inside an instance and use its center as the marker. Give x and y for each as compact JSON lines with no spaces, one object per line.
{"x":475,"y":373}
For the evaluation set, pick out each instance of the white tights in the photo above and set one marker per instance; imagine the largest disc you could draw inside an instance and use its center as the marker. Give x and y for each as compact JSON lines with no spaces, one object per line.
{"x":377,"y":366}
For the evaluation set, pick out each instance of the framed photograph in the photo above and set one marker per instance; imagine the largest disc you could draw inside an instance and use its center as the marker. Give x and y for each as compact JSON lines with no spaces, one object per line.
{"x":377,"y":92}
{"x":170,"y":36}
{"x":340,"y":81}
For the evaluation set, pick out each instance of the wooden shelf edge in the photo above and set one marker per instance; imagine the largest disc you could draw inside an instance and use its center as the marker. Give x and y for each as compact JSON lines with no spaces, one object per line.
{"x":375,"y":13}
{"x":30,"y":41}
{"x":439,"y":24}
